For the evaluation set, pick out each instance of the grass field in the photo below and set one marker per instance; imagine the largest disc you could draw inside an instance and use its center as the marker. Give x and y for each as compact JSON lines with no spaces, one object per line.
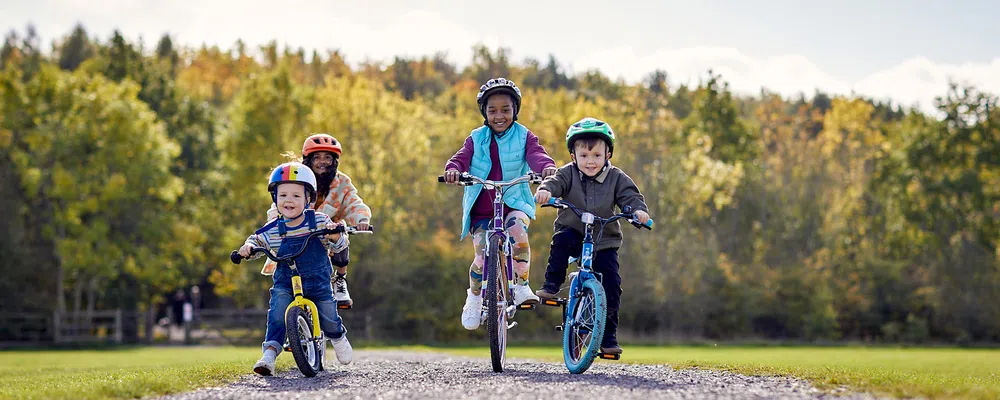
{"x":122,"y":373}
{"x":138,"y":372}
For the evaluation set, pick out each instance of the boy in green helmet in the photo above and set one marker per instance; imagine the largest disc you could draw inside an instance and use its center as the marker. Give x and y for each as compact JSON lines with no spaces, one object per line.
{"x":591,"y":183}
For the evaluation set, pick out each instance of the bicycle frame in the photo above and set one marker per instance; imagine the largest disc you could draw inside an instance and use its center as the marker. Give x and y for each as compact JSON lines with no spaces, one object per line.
{"x":498,"y":310}
{"x":590,"y":220}
{"x":299,"y":297}
{"x":585,"y":260}
{"x":497,"y":228}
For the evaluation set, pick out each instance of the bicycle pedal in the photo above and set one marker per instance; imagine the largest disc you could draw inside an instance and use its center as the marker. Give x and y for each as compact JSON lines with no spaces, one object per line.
{"x":526,"y":306}
{"x":554,"y":302}
{"x":607,"y":356}
{"x":288,"y":348}
{"x":344,"y":305}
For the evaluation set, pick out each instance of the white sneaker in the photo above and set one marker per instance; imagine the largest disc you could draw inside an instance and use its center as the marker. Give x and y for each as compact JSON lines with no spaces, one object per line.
{"x":340,"y":292}
{"x":342,"y":346}
{"x":472,"y":313}
{"x":265,"y":366}
{"x":523,"y":295}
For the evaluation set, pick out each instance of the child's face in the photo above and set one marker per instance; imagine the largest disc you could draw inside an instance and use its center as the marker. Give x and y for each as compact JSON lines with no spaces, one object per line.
{"x":500,"y":112}
{"x":590,"y":161}
{"x":321,"y":161}
{"x":291,"y":199}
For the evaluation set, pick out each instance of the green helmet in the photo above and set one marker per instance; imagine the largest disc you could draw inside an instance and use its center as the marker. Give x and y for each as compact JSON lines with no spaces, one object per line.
{"x":590,"y":127}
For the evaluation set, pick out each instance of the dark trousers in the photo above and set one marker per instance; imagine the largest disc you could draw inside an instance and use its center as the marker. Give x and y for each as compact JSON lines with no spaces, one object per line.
{"x":341,"y":259}
{"x":567,"y":243}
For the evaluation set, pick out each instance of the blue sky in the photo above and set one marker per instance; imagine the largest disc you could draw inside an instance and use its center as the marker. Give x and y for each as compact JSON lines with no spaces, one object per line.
{"x":904,"y":50}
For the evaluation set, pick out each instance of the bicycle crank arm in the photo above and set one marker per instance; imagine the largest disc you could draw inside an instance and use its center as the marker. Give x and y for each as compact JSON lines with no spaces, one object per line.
{"x":512,"y":325}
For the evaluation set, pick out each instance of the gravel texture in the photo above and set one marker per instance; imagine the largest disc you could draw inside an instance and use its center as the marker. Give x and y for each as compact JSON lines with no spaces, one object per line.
{"x":415,"y":375}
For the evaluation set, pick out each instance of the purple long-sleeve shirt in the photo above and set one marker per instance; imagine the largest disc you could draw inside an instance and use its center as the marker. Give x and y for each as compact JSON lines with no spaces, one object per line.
{"x":534,"y":154}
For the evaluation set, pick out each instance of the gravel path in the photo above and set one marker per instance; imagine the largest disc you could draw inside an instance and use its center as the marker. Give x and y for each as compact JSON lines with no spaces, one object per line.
{"x":406,"y":375}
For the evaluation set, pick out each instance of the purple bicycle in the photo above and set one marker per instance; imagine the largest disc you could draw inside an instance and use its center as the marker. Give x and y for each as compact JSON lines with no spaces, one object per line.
{"x":498,"y":304}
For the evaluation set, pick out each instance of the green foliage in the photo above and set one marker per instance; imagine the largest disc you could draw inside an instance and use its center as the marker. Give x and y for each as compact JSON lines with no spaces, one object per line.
{"x":828,"y":218}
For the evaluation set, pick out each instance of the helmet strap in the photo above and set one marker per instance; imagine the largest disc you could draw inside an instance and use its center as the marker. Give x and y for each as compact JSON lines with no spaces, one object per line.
{"x":311,"y":218}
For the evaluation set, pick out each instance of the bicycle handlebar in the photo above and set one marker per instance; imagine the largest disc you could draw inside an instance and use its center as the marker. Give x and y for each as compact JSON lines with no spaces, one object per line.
{"x":467,"y":179}
{"x":627,"y":215}
{"x":236,"y":258}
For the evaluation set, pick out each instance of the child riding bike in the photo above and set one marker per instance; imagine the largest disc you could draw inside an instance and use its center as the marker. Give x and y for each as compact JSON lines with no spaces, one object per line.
{"x":501,"y":149}
{"x":293,"y":188}
{"x":592,"y":183}
{"x":336,"y":197}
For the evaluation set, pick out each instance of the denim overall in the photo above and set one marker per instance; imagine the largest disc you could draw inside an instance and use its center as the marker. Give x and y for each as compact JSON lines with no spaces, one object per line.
{"x":315,"y":269}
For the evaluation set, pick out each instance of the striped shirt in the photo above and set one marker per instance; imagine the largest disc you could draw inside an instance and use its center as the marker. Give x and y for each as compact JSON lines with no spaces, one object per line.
{"x":269,"y":237}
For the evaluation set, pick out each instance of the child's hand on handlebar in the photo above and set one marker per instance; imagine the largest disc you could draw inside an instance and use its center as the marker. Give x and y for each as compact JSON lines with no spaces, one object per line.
{"x":451,"y":176}
{"x":641,"y":216}
{"x":245,"y":250}
{"x":542,"y":196}
{"x":333,"y":225}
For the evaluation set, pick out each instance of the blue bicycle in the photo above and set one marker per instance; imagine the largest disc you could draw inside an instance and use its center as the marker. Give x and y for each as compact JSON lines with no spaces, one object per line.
{"x":498,"y":270}
{"x":585,"y":306}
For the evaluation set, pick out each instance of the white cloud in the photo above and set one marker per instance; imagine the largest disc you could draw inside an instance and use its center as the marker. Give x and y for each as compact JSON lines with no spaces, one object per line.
{"x":919,"y":80}
{"x":914,"y":82}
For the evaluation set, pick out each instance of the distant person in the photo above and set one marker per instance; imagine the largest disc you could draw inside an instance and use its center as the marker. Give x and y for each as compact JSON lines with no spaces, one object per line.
{"x":177,"y":306}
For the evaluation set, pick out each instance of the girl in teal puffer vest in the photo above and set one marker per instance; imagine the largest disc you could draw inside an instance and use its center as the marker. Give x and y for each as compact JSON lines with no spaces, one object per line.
{"x":501,"y":149}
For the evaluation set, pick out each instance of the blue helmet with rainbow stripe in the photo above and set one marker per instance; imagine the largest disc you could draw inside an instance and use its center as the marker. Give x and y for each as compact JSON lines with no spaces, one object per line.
{"x":293,"y":172}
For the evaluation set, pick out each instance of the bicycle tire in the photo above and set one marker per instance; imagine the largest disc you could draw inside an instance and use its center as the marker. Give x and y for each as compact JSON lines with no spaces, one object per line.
{"x":578,"y":351}
{"x":496,"y":304}
{"x":298,"y":331}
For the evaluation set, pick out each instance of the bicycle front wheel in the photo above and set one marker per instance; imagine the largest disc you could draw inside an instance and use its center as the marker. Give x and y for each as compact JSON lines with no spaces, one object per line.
{"x":583,"y":329}
{"x":496,"y":305}
{"x":305,"y":348}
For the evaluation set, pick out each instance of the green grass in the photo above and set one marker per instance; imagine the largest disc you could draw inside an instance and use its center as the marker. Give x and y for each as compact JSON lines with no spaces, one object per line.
{"x":899,"y":372}
{"x":122,"y":373}
{"x":138,"y":372}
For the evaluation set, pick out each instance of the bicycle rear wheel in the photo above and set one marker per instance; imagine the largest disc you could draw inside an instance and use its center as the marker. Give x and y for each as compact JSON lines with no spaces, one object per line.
{"x":305,"y":348}
{"x":496,"y":305}
{"x":583,"y":329}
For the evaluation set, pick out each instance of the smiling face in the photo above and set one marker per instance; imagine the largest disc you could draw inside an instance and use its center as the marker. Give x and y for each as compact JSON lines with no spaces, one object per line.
{"x":291,"y":200}
{"x":500,"y":111}
{"x":590,"y":156}
{"x":322,"y":162}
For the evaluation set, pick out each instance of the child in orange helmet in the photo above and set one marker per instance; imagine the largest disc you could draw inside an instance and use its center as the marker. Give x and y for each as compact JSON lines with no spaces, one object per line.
{"x":336,"y":197}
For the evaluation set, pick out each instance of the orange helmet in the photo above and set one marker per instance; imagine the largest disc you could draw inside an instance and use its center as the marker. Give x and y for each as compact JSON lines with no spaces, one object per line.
{"x":320,"y":142}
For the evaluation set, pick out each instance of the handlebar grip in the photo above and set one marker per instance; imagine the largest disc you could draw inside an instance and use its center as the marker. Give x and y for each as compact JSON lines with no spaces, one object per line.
{"x":647,"y":225}
{"x":235,"y":257}
{"x":441,"y":178}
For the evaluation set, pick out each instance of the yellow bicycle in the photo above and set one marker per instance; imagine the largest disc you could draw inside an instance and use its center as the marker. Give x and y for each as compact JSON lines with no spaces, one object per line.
{"x":302,"y":317}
